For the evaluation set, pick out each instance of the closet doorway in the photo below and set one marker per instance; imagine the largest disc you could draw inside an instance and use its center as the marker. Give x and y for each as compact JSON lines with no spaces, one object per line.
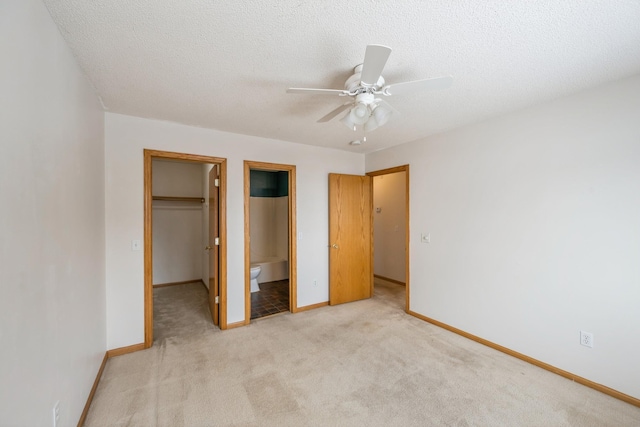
{"x":208,"y":206}
{"x":269,"y":239}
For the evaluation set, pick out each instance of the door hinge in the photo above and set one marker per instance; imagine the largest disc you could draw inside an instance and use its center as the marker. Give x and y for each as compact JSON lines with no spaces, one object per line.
{"x":216,"y":182}
{"x":217,"y":300}
{"x":216,"y":241}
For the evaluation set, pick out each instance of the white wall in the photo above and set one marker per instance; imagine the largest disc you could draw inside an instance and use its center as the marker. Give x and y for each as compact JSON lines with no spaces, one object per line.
{"x":126,"y":137}
{"x":177,"y":226}
{"x":269,"y":227}
{"x":177,"y":242}
{"x":389,"y":225}
{"x":282,"y":227}
{"x":176,"y":178}
{"x":535,"y":231}
{"x":262,"y":219}
{"x":52,"y":309}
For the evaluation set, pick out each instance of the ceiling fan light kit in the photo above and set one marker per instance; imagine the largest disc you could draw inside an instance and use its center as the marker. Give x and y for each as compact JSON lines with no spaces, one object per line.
{"x":364,"y":85}
{"x":360,"y":113}
{"x":382,"y":113}
{"x":348,"y":122}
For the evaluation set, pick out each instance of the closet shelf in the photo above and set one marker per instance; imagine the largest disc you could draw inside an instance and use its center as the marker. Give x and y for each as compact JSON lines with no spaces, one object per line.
{"x":179,"y":199}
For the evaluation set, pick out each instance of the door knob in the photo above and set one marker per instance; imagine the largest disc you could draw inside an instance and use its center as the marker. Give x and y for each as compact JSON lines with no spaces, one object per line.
{"x":334,"y":246}
{"x":206,"y":248}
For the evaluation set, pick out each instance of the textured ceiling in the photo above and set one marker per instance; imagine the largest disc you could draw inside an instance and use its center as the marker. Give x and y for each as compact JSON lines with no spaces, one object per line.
{"x":225,"y":64}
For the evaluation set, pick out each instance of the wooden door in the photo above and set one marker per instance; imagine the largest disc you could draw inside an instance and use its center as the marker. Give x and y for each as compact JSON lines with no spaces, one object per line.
{"x":350,"y":238}
{"x":214,"y":290}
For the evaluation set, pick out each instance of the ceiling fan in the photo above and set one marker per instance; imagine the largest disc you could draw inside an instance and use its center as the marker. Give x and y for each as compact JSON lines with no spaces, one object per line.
{"x":366,"y":85}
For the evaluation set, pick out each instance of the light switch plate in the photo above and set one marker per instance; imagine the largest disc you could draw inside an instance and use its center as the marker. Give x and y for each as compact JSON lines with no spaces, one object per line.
{"x":136,"y":245}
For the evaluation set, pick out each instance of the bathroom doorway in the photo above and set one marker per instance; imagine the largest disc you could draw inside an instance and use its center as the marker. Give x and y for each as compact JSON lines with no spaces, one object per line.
{"x":270,"y":239}
{"x":391,"y":235}
{"x":177,"y":203}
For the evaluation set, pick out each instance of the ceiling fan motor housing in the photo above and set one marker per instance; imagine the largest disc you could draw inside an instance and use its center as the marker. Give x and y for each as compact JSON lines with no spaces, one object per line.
{"x":354,"y":84}
{"x":365,"y":98}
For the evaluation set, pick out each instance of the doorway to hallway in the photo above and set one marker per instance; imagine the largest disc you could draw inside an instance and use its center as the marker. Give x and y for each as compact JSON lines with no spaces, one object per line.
{"x":354,"y":240}
{"x":391,"y":232}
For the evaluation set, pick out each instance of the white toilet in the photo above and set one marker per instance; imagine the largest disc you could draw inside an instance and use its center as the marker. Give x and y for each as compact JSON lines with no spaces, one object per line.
{"x":254,"y":273}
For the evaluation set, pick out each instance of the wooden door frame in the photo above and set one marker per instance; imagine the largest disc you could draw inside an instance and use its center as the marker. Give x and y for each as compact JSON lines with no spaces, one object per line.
{"x":214,"y":307}
{"x":293,"y":263}
{"x":149,"y":156}
{"x":403,"y":168}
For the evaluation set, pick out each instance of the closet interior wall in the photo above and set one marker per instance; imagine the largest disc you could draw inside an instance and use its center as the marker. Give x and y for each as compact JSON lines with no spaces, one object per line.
{"x":177,"y":190}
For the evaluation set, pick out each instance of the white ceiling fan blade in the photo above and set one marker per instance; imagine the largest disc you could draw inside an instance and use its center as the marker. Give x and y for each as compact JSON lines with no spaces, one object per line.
{"x":311,"y":91}
{"x":335,"y":112}
{"x":436,"y":83}
{"x":375,"y":58}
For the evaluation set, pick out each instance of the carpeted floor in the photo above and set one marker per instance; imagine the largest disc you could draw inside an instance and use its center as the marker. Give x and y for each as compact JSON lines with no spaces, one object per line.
{"x":360,"y":364}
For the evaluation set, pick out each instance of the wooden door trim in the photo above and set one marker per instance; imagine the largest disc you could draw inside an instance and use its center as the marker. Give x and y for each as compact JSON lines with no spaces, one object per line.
{"x":149,"y":155}
{"x":293,"y":250}
{"x":214,"y":306}
{"x":403,"y":168}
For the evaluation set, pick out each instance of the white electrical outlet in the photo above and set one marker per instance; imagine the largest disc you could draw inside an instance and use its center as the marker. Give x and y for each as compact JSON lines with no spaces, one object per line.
{"x":315,"y":283}
{"x":586,"y":339}
{"x":56,"y":413}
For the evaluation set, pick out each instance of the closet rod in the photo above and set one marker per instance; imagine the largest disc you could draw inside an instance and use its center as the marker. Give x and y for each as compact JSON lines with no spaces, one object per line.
{"x":179,"y":199}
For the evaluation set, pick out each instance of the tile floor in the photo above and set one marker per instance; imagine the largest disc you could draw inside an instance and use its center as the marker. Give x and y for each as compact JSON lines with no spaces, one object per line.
{"x":273,"y":298}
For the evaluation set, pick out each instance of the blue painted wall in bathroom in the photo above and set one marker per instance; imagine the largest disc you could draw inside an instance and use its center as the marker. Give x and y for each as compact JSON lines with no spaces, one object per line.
{"x":268,"y":184}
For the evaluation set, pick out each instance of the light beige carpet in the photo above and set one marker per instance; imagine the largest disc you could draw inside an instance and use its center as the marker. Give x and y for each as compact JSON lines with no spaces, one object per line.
{"x":361,"y":364}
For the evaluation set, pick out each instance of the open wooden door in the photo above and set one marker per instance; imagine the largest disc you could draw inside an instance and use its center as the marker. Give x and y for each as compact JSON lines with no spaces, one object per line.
{"x":350,"y":238}
{"x":214,"y":197}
